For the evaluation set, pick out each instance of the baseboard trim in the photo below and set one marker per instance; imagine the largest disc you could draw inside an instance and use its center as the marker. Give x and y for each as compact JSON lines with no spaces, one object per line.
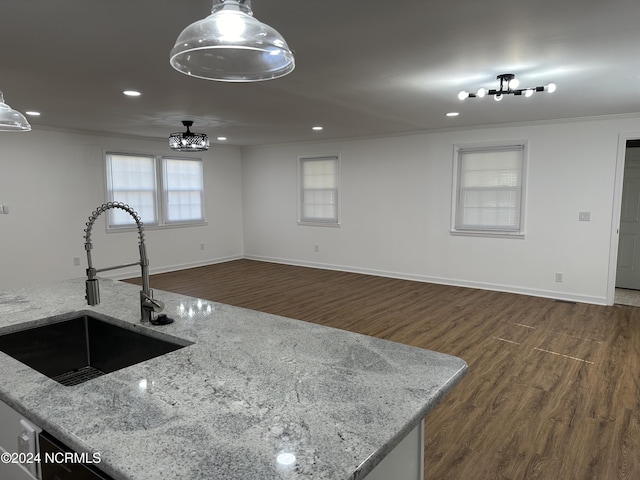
{"x":130,"y":273}
{"x":564,"y":296}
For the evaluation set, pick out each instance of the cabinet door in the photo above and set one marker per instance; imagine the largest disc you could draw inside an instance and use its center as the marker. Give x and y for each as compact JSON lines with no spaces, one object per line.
{"x":10,"y":430}
{"x":49,"y":447}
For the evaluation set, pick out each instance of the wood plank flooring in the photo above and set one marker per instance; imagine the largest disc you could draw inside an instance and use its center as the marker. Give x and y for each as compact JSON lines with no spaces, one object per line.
{"x":553,"y":389}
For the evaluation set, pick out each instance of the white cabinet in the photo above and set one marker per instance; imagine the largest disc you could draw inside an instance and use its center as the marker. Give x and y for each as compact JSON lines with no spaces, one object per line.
{"x":17,"y":435}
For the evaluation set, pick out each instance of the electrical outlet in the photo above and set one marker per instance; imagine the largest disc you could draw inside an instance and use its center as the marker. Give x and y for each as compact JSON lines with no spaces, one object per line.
{"x":559,"y":277}
{"x":316,"y":248}
{"x":584,"y":216}
{"x":76,"y":261}
{"x":202,"y":246}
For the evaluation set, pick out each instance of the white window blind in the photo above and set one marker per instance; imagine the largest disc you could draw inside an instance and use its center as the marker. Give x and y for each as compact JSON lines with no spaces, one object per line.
{"x":183,"y":192}
{"x":131,"y":179}
{"x":319,"y":190}
{"x":489,"y":189}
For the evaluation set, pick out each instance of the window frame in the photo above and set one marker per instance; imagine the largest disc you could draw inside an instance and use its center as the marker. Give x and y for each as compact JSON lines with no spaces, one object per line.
{"x":160,"y":193}
{"x":490,"y":231}
{"x":316,"y":221}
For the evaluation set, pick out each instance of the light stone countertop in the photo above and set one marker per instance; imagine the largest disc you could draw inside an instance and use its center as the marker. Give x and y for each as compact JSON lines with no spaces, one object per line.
{"x":251,"y":387}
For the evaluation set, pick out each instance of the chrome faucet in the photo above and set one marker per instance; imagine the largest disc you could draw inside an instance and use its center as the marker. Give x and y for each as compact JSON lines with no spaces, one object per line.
{"x":148,"y":305}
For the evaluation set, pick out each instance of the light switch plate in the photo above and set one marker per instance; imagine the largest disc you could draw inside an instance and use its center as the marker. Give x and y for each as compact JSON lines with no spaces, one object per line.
{"x":585,"y":216}
{"x":4,"y":209}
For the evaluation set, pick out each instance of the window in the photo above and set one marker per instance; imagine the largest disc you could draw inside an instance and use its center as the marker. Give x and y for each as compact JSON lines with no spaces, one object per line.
{"x":182,"y":190}
{"x":318,"y":181}
{"x":489,"y":190}
{"x":163,"y":191}
{"x":131,"y":179}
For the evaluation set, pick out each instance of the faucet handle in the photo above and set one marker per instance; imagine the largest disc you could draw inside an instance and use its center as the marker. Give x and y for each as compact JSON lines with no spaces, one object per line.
{"x":157,"y":305}
{"x":151,"y":303}
{"x":149,"y":306}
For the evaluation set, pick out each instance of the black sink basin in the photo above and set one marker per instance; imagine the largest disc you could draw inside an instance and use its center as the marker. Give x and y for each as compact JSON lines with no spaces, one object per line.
{"x":81,"y":348}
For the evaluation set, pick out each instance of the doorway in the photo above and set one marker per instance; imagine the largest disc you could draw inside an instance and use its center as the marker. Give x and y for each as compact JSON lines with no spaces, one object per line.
{"x":627,"y":284}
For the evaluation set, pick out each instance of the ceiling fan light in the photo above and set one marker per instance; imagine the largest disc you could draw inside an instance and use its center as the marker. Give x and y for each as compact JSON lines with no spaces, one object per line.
{"x":11,"y":120}
{"x":230,"y":45}
{"x":188,"y":141}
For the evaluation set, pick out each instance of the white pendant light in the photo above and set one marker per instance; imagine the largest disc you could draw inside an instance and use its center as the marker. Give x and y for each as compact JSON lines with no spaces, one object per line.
{"x":11,"y":120}
{"x":230,"y":45}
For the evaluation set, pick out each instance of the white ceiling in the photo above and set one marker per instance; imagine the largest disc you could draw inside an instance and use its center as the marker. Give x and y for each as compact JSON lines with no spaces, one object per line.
{"x":363,"y":67}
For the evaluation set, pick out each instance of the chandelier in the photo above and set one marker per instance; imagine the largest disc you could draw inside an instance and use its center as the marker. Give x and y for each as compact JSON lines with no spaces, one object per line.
{"x":508,"y":86}
{"x":188,"y":141}
{"x":230,"y":45}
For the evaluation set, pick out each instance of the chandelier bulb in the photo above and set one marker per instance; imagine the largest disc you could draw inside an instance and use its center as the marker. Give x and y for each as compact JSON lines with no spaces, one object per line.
{"x":498,"y":97}
{"x":551,"y":87}
{"x":462,"y":95}
{"x":481,"y":92}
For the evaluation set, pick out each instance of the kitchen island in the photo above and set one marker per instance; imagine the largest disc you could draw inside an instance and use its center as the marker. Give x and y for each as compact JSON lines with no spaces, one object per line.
{"x":250,"y":396}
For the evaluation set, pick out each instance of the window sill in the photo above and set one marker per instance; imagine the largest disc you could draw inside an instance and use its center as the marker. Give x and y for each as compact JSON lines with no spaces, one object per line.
{"x":318,"y":224}
{"x":485,"y":233}
{"x":156,"y":227}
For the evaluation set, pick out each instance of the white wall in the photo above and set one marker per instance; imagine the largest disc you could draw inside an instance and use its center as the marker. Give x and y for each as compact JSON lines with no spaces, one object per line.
{"x":53,"y":180}
{"x":396,"y":210}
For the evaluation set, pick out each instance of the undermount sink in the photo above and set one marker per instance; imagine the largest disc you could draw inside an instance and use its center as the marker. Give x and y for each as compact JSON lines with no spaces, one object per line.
{"x":77,"y":349}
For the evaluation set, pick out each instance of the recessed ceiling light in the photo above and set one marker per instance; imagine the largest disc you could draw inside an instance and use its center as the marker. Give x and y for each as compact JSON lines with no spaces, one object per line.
{"x":131,"y":93}
{"x":453,"y":114}
{"x":222,"y":139}
{"x":317,"y":128}
{"x":33,"y":114}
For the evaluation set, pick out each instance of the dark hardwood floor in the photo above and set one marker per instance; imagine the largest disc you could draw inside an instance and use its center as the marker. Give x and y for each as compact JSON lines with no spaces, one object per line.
{"x":553,"y":389}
